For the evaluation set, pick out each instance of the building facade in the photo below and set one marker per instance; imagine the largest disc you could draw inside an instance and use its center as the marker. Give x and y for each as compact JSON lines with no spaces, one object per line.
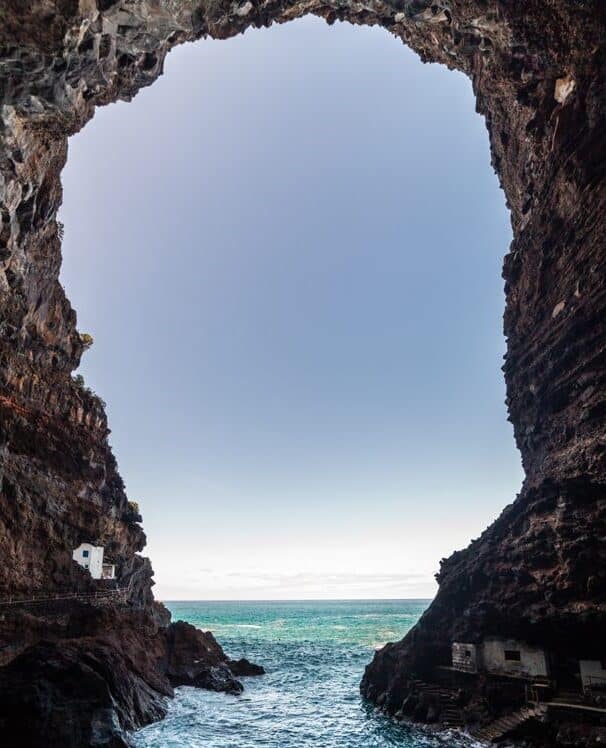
{"x":465,"y":657}
{"x":90,"y":557}
{"x":501,"y":657}
{"x":510,"y":657}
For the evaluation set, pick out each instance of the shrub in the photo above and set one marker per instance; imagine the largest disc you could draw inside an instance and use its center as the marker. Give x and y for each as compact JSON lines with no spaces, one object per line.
{"x":86,"y":339}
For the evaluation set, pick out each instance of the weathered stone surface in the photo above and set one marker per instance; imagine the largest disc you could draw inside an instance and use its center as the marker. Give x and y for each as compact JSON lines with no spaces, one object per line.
{"x":538,"y":69}
{"x":73,"y":693}
{"x":244,"y":668}
{"x":75,"y":671}
{"x":195,"y":659}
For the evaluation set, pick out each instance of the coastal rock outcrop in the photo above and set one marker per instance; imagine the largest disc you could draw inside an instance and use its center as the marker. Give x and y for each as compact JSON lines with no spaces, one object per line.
{"x":243,"y":667}
{"x":77,"y":692}
{"x":194,"y":658}
{"x":81,"y":674}
{"x":538,"y":575}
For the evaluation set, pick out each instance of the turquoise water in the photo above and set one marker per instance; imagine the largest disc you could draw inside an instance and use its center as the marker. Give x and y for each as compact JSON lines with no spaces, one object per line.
{"x":314,"y":654}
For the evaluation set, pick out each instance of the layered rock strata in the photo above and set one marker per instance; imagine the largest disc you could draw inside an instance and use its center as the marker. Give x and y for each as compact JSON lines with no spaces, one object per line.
{"x":538,"y":70}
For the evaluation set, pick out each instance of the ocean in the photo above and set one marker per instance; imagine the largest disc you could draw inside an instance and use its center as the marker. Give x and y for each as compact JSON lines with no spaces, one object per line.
{"x":314,"y":654}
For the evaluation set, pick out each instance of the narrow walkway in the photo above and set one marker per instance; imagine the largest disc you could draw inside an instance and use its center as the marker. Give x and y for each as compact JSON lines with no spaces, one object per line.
{"x":504,"y":725}
{"x":575,"y":705}
{"x":44,"y":597}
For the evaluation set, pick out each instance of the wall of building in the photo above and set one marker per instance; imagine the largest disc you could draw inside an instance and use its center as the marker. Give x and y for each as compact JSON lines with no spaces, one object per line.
{"x":465,"y":657}
{"x":109,"y":571}
{"x":96,"y":562}
{"x":93,"y":562}
{"x":532,"y":662}
{"x":593,"y":674}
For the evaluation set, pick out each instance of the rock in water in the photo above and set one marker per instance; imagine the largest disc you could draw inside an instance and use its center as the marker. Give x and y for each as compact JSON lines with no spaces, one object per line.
{"x":243,"y":667}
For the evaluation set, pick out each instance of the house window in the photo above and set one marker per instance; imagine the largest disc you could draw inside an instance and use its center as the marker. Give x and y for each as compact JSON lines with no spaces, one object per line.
{"x":512,"y":655}
{"x":468,"y":654}
{"x":84,"y":554}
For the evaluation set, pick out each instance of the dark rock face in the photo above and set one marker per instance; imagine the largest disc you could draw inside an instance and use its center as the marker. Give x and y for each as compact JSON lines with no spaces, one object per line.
{"x":538,"y":69}
{"x":195,"y":659}
{"x":84,"y":675}
{"x":244,"y":667}
{"x":76,"y":693}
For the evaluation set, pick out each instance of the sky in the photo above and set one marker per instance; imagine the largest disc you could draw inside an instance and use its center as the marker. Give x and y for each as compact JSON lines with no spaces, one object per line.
{"x":288,"y":251}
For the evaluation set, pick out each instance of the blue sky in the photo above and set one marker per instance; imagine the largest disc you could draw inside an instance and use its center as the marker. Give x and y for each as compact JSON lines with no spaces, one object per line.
{"x":288,"y":251}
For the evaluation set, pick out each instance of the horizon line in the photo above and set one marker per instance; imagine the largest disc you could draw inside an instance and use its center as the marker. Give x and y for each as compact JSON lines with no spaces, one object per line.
{"x":301,"y":600}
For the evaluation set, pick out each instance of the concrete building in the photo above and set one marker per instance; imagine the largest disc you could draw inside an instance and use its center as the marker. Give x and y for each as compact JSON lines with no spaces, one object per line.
{"x":90,"y":557}
{"x":510,"y":657}
{"x":500,"y":657}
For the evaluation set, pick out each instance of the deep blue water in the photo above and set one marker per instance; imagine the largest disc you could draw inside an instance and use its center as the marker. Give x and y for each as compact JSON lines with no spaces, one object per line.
{"x":314,"y":654}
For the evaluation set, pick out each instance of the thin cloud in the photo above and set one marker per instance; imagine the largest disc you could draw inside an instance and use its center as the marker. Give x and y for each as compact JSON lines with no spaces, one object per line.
{"x":303,"y":580}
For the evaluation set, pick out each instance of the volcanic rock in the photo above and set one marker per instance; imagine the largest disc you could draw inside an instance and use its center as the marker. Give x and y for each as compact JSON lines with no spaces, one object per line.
{"x":538,"y":70}
{"x":243,"y":668}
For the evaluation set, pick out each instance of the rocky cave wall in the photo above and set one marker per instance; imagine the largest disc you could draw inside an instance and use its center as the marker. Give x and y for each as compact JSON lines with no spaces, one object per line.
{"x":538,"y":69}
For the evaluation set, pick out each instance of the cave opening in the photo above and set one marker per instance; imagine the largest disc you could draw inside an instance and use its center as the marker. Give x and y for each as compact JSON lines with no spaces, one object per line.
{"x":533,"y":582}
{"x":293,"y":281}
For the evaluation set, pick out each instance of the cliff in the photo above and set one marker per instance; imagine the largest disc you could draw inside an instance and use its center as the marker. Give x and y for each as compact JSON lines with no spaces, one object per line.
{"x":538,"y":574}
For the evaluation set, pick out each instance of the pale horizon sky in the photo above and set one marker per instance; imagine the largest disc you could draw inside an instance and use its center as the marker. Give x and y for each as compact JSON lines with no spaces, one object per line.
{"x":288,"y":251}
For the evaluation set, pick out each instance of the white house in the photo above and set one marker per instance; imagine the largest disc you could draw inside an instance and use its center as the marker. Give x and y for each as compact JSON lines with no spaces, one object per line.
{"x":91,"y":557}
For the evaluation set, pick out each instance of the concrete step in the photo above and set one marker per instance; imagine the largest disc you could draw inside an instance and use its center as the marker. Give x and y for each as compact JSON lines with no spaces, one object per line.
{"x":504,"y":725}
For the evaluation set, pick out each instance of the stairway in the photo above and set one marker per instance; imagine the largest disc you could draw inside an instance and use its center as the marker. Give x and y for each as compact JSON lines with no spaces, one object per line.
{"x":452,"y":718}
{"x":450,"y":714}
{"x":501,"y":727}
